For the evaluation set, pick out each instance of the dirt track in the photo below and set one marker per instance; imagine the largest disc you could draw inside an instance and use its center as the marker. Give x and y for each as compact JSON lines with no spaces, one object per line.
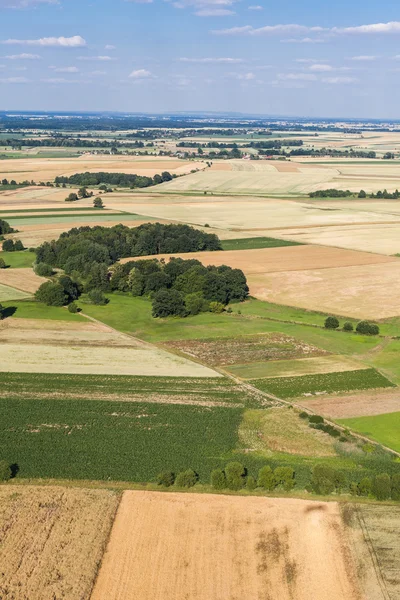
{"x":207,"y":547}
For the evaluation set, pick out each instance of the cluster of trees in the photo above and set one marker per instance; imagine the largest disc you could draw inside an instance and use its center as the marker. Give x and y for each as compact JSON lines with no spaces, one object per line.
{"x":333,"y":152}
{"x":268,"y":144}
{"x":363,"y":327}
{"x":115,"y":179}
{"x":181,"y":287}
{"x":318,"y":422}
{"x":327,"y":480}
{"x":236,"y":477}
{"x":13,"y":246}
{"x":5,"y":228}
{"x":334,"y":193}
{"x":69,"y":142}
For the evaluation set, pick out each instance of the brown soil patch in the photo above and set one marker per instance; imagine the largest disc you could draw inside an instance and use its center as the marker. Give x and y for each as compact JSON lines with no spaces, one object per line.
{"x":228,"y":351}
{"x":289,"y":258}
{"x":52,"y":540}
{"x":180,"y":546}
{"x":365,"y":404}
{"x":285,"y":167}
{"x":21,"y":279}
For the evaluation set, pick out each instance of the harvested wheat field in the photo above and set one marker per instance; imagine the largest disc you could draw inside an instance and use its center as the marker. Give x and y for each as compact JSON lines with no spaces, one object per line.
{"x":21,"y":279}
{"x":286,"y":259}
{"x":363,"y":404}
{"x":185,"y":546}
{"x":52,"y":540}
{"x":29,"y":346}
{"x":355,"y":291}
{"x":46,"y":169}
{"x":10,"y":293}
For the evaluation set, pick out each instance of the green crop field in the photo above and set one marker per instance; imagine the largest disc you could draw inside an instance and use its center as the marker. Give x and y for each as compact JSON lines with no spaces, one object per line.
{"x":347,"y":381}
{"x":256,"y":242}
{"x":384,"y":429}
{"x":18,"y":260}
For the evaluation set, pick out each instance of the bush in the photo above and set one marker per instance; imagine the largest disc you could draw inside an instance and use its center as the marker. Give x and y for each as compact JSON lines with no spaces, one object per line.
{"x":381,"y":486}
{"x":331,"y":323}
{"x":71,"y":197}
{"x":316,"y":419}
{"x":8,"y":246}
{"x":18,"y":246}
{"x":367,"y":328}
{"x":348,"y":326}
{"x":251,"y":483}
{"x":186,"y":479}
{"x":51,"y":294}
{"x":304,"y":415}
{"x":234,"y":473}
{"x":166,"y":478}
{"x":2,"y":263}
{"x":73,"y":308}
{"x":98,"y":203}
{"x":324,"y":479}
{"x":365,"y":486}
{"x":216,"y":307}
{"x":284,"y":476}
{"x":218,"y":479}
{"x":266,"y":479}
{"x":97,"y":297}
{"x":195,"y":303}
{"x":5,"y":471}
{"x":168,"y":303}
{"x":43,"y":270}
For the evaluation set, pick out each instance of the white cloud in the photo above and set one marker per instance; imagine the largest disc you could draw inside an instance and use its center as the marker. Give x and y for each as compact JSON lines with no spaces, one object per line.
{"x":307,"y":60}
{"x":23,"y":57}
{"x":98,"y":58}
{"x":140,"y":1}
{"x":243,"y":76}
{"x":268,"y":30}
{"x":306,"y":40}
{"x":109,"y":47}
{"x":14,"y":80}
{"x":141,"y":74}
{"x":337,"y":80}
{"x":364,"y":58}
{"x":223,"y":60}
{"x":214,"y":12}
{"x":391,"y":27}
{"x":75,"y":41}
{"x":321,"y":68}
{"x":65,"y":69}
{"x":207,"y":8}
{"x":255,"y":7}
{"x":98,"y":73}
{"x":59,"y":80}
{"x":24,"y":3}
{"x":297,"y":77}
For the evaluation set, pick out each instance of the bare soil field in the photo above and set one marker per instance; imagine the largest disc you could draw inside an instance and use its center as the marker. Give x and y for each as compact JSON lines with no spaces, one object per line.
{"x":374,"y":531}
{"x":228,"y":351}
{"x":179,"y":546}
{"x":286,"y":259}
{"x":27,"y":346}
{"x":52,"y":540}
{"x":362,"y":404}
{"x":46,"y":169}
{"x":355,"y":291}
{"x":21,"y":279}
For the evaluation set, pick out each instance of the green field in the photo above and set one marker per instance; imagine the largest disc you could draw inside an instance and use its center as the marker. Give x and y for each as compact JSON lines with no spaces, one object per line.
{"x":18,"y":260}
{"x":256,"y":242}
{"x":88,"y":218}
{"x":346,"y":381}
{"x":8,"y":293}
{"x":384,"y":429}
{"x":35,"y":310}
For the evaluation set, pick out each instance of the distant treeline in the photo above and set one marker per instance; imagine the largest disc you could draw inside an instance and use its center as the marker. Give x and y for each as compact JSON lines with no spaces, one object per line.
{"x":333,"y":152}
{"x":69,"y":142}
{"x":334,"y":193}
{"x":264,"y":144}
{"x":119,"y":179}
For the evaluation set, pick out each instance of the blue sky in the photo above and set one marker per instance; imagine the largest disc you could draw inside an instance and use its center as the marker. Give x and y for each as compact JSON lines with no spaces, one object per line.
{"x":309,"y":58}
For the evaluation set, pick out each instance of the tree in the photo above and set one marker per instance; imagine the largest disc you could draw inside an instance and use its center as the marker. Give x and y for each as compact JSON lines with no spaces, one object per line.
{"x":70,"y":287}
{"x":367,"y":328}
{"x":331,"y":323}
{"x":51,"y":294}
{"x":8,"y":246}
{"x":72,"y":197}
{"x":2,"y":263}
{"x":266,"y":479}
{"x":365,"y":486}
{"x":362,"y":194}
{"x":218,"y":479}
{"x":97,"y":297}
{"x":136,"y":282}
{"x":168,"y":303}
{"x":166,"y":478}
{"x":323,"y":479}
{"x":73,"y":308}
{"x":5,"y":471}
{"x":1,"y":312}
{"x":381,"y":486}
{"x":18,"y":246}
{"x":186,"y":479}
{"x":166,"y":176}
{"x":251,"y":483}
{"x":98,"y":203}
{"x":284,"y":476}
{"x":43,"y":270}
{"x":348,"y":326}
{"x":5,"y":227}
{"x":234,"y":473}
{"x":195,"y":303}
{"x":83,"y":193}
{"x":216,"y":307}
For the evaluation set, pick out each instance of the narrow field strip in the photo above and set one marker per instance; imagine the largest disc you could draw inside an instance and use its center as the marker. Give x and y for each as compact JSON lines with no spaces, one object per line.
{"x":309,"y":385}
{"x":9,"y":293}
{"x":384,"y":429}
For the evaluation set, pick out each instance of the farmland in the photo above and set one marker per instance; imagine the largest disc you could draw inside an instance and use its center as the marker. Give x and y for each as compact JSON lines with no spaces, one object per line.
{"x":52,"y":540}
{"x":383,"y":428}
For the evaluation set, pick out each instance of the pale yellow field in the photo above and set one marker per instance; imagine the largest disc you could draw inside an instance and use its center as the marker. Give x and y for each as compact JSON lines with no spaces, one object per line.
{"x":21,"y":279}
{"x":29,"y":346}
{"x":185,"y":546}
{"x":360,"y":404}
{"x":46,"y":169}
{"x":52,"y":540}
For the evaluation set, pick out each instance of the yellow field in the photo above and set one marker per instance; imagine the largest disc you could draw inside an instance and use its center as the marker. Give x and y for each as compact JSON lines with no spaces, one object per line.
{"x":29,"y":346}
{"x":180,"y":546}
{"x":21,"y":279}
{"x":52,"y":540}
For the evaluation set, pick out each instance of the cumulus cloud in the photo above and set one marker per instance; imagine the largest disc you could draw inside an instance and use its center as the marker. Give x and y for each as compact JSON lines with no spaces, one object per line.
{"x":15,"y":80}
{"x":267,"y":30}
{"x":306,"y":40}
{"x":23,"y":56}
{"x":207,"y":8}
{"x":75,"y":41}
{"x":321,"y":68}
{"x":243,"y":76}
{"x":109,"y":47}
{"x":214,"y":12}
{"x":222,"y":60}
{"x":391,"y":27}
{"x":98,"y":58}
{"x":297,"y":77}
{"x":56,"y":80}
{"x":255,"y":7}
{"x":141,"y":74}
{"x":364,"y":58}
{"x":337,"y":80}
{"x":65,"y":69}
{"x":25,"y":3}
